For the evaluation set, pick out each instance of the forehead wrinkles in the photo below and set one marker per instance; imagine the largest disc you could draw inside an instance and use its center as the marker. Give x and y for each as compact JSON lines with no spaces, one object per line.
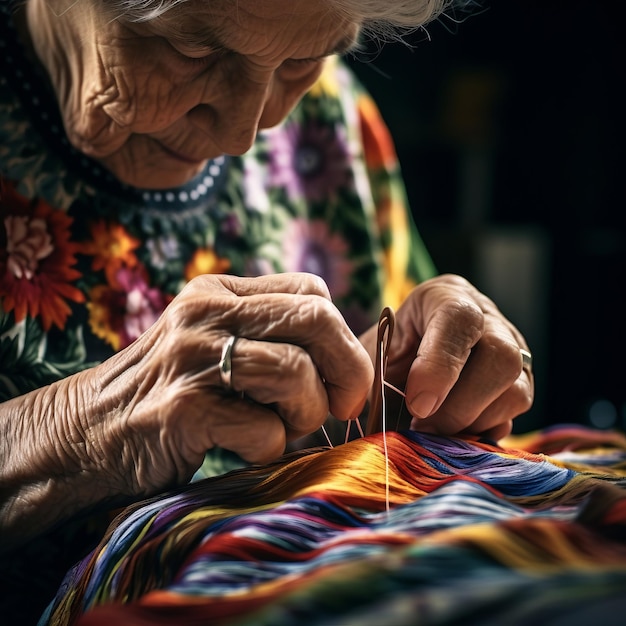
{"x":296,"y":36}
{"x":274,"y":29}
{"x":308,"y":30}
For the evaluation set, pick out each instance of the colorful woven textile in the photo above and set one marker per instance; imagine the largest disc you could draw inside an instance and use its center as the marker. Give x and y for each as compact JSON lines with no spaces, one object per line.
{"x":473,"y":533}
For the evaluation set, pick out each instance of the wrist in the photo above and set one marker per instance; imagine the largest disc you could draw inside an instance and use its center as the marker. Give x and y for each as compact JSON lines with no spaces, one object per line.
{"x":47,"y":469}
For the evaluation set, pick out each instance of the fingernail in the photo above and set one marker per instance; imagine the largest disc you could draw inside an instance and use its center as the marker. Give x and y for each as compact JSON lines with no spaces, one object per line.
{"x":423,"y":404}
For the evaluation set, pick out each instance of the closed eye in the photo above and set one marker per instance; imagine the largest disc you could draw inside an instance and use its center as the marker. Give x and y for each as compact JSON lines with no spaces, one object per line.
{"x":304,"y":61}
{"x":203,"y":60}
{"x":300,"y":65}
{"x":296,"y":69}
{"x":200,"y":55}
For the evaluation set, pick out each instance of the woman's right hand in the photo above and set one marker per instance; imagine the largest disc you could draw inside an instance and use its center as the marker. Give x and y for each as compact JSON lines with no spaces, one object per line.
{"x":142,"y":421}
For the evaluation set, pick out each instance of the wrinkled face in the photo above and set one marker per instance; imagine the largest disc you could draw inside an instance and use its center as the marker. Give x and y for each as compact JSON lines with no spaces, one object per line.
{"x":153,"y":101}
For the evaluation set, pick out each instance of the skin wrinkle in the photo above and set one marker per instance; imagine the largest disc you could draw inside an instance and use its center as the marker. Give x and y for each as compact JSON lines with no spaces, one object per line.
{"x":69,"y":99}
{"x":445,"y":353}
{"x":233,"y":413}
{"x":133,"y":451}
{"x":99,"y":429}
{"x":126,"y":405}
{"x":286,"y":387}
{"x":508,"y":360}
{"x":172,"y":441}
{"x":292,"y":406}
{"x":149,"y":80}
{"x":39,"y":456}
{"x":319,"y":316}
{"x":117,"y":100}
{"x":68,"y":443}
{"x":275,"y":45}
{"x":100,"y":426}
{"x":181,"y":105}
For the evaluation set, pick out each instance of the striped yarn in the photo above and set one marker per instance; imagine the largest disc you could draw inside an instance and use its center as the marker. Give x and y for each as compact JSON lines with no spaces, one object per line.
{"x":508,"y":533}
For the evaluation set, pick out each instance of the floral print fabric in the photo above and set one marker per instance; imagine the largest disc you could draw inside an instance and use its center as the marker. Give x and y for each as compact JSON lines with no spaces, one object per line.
{"x":88,"y":264}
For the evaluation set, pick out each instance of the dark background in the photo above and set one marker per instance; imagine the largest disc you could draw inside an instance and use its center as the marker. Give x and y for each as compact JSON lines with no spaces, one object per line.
{"x":510,"y":126}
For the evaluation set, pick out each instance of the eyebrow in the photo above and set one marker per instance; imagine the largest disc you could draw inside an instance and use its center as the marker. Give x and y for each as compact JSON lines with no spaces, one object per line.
{"x":211,"y":40}
{"x":344,"y":45}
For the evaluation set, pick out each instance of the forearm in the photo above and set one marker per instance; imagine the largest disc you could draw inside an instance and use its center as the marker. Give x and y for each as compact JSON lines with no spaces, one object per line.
{"x":46,"y":472}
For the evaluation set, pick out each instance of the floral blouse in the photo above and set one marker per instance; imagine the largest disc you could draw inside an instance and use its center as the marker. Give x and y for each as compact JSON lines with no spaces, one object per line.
{"x":87,"y":264}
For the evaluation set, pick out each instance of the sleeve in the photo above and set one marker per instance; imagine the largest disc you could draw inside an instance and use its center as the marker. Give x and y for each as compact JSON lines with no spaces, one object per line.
{"x":406,"y":259}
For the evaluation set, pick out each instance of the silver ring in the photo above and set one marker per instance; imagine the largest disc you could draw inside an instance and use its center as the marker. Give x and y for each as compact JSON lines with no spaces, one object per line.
{"x":527,"y":361}
{"x":225,"y":365}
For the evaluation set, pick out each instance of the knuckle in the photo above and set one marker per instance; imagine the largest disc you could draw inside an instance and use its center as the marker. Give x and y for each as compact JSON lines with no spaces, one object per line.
{"x":464,"y":319}
{"x":454,"y":280}
{"x":469,"y":316}
{"x":200,"y":283}
{"x":299,"y":362}
{"x":200,"y":302}
{"x":509,"y":359}
{"x":313,"y":285}
{"x":503,"y":356}
{"x":176,"y":314}
{"x":304,"y":371}
{"x":324,"y":316}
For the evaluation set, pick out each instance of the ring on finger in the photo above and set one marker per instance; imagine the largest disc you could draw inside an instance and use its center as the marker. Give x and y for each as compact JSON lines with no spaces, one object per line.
{"x":225,"y":365}
{"x":527,"y":361}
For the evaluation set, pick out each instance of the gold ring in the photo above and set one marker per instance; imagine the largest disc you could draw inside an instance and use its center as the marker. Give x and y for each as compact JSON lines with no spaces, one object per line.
{"x":527,"y":361}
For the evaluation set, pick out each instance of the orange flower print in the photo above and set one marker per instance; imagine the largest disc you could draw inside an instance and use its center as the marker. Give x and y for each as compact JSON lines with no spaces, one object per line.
{"x":377,"y":142}
{"x":111,"y":248}
{"x":121,"y":312}
{"x":36,"y":264}
{"x":205,"y":261}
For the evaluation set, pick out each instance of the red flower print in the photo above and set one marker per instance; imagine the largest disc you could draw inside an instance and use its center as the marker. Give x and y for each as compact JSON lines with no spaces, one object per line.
{"x":36,"y":264}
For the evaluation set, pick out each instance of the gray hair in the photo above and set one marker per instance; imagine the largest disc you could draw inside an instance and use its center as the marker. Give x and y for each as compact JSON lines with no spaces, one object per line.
{"x":380,"y":18}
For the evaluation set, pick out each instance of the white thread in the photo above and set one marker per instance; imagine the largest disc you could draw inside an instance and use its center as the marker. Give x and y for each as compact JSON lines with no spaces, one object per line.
{"x":400,"y":393}
{"x":330,"y":443}
{"x":384,"y":426}
{"x":357,"y":421}
{"x":394,"y":388}
{"x":349,"y":427}
{"x":359,"y":427}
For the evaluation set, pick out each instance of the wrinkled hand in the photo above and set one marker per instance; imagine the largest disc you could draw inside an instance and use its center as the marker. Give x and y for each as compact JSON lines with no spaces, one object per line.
{"x":162,"y":403}
{"x":458,"y":360}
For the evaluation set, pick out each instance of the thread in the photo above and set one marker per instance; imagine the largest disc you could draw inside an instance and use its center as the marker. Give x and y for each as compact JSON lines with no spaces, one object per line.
{"x":384,"y":432}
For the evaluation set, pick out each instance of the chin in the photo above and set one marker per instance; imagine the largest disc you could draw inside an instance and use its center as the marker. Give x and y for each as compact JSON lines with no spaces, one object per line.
{"x":156,"y":177}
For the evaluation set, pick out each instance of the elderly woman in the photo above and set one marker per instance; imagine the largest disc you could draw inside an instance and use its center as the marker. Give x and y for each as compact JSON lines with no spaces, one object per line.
{"x":201,"y":210}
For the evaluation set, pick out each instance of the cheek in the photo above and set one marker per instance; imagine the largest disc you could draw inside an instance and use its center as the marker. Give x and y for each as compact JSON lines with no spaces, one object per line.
{"x":152,"y":94}
{"x":160,"y":104}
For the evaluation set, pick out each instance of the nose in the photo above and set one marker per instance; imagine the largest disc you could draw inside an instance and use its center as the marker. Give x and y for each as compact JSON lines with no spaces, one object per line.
{"x":231,"y":116}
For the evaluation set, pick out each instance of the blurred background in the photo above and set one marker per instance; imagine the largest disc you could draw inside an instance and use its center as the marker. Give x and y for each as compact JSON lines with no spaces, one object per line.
{"x":510,"y":126}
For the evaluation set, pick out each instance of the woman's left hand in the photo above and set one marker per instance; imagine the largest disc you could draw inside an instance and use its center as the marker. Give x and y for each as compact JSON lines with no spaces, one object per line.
{"x":458,"y":360}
